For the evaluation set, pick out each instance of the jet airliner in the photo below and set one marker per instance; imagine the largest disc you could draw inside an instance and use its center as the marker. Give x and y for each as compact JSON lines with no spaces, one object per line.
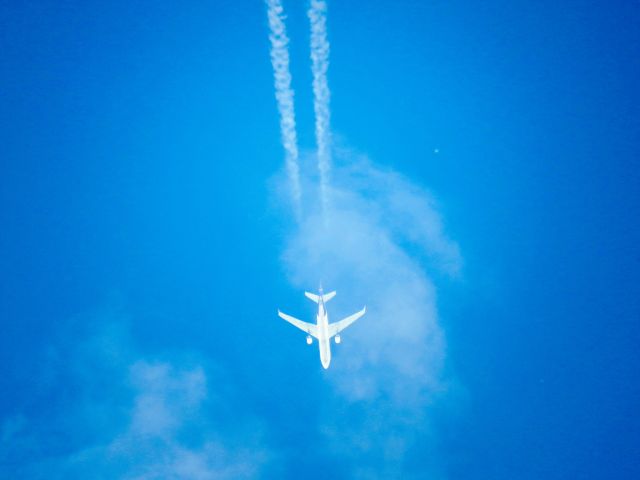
{"x":323,"y":330}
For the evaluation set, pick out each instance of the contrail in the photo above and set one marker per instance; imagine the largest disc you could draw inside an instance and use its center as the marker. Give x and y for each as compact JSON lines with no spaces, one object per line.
{"x":320,"y":63}
{"x":284,"y":96}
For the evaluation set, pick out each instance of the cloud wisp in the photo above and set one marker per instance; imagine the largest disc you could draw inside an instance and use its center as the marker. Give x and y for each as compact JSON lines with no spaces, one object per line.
{"x":377,"y":237}
{"x":131,"y":417}
{"x":285,"y":97}
{"x":385,"y":235}
{"x":321,"y":95}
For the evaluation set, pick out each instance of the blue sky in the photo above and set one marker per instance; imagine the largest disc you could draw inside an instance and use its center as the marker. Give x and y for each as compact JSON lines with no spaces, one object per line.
{"x":147,"y":241}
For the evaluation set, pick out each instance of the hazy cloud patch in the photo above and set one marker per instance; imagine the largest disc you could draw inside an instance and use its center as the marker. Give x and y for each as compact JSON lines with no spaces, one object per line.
{"x":131,"y":416}
{"x":383,"y":237}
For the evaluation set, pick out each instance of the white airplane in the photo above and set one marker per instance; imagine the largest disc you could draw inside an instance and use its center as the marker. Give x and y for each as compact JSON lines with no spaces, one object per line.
{"x":323,"y":330}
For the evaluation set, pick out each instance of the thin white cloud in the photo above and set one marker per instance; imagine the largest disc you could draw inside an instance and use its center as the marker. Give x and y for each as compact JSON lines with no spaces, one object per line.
{"x":168,"y":413}
{"x":284,"y":97}
{"x":384,"y":236}
{"x":321,"y":95}
{"x":135,"y":418}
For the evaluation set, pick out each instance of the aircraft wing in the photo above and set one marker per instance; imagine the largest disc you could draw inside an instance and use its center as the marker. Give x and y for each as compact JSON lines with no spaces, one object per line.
{"x":310,"y":328}
{"x":337,"y":327}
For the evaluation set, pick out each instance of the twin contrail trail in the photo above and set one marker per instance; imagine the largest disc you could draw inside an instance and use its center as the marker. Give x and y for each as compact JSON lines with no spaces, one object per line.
{"x":284,"y":96}
{"x":319,"y":66}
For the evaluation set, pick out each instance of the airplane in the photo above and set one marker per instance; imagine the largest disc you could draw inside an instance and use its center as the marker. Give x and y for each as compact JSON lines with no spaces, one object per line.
{"x":322,"y":330}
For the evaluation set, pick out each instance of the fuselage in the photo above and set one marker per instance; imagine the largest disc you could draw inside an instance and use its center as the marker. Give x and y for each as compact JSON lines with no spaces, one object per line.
{"x":322,"y":330}
{"x":324,"y":343}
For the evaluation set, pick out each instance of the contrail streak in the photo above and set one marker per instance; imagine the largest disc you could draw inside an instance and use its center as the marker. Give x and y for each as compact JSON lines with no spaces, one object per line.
{"x":284,"y":96}
{"x":319,"y":65}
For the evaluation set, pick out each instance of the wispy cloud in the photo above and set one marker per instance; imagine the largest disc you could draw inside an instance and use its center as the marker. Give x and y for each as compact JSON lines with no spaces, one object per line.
{"x":321,"y":95}
{"x":169,"y":434}
{"x":385,"y":235}
{"x":132,"y":417}
{"x":285,"y":97}
{"x":375,"y":238}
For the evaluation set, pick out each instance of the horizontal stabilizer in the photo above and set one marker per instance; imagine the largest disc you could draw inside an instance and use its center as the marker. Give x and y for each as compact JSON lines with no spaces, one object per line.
{"x":325,"y":298}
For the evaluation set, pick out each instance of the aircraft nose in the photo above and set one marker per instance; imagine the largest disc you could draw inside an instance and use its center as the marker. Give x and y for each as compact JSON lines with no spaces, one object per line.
{"x":325,"y":360}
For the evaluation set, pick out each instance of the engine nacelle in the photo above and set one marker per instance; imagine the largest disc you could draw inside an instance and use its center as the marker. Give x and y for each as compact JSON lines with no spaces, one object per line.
{"x":309,"y":340}
{"x":337,"y":338}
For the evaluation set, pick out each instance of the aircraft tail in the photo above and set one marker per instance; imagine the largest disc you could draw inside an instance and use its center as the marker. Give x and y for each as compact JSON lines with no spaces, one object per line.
{"x":325,"y":298}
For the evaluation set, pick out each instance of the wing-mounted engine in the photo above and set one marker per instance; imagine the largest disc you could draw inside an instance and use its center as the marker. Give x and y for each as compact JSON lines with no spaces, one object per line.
{"x":309,"y":340}
{"x":337,"y":338}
